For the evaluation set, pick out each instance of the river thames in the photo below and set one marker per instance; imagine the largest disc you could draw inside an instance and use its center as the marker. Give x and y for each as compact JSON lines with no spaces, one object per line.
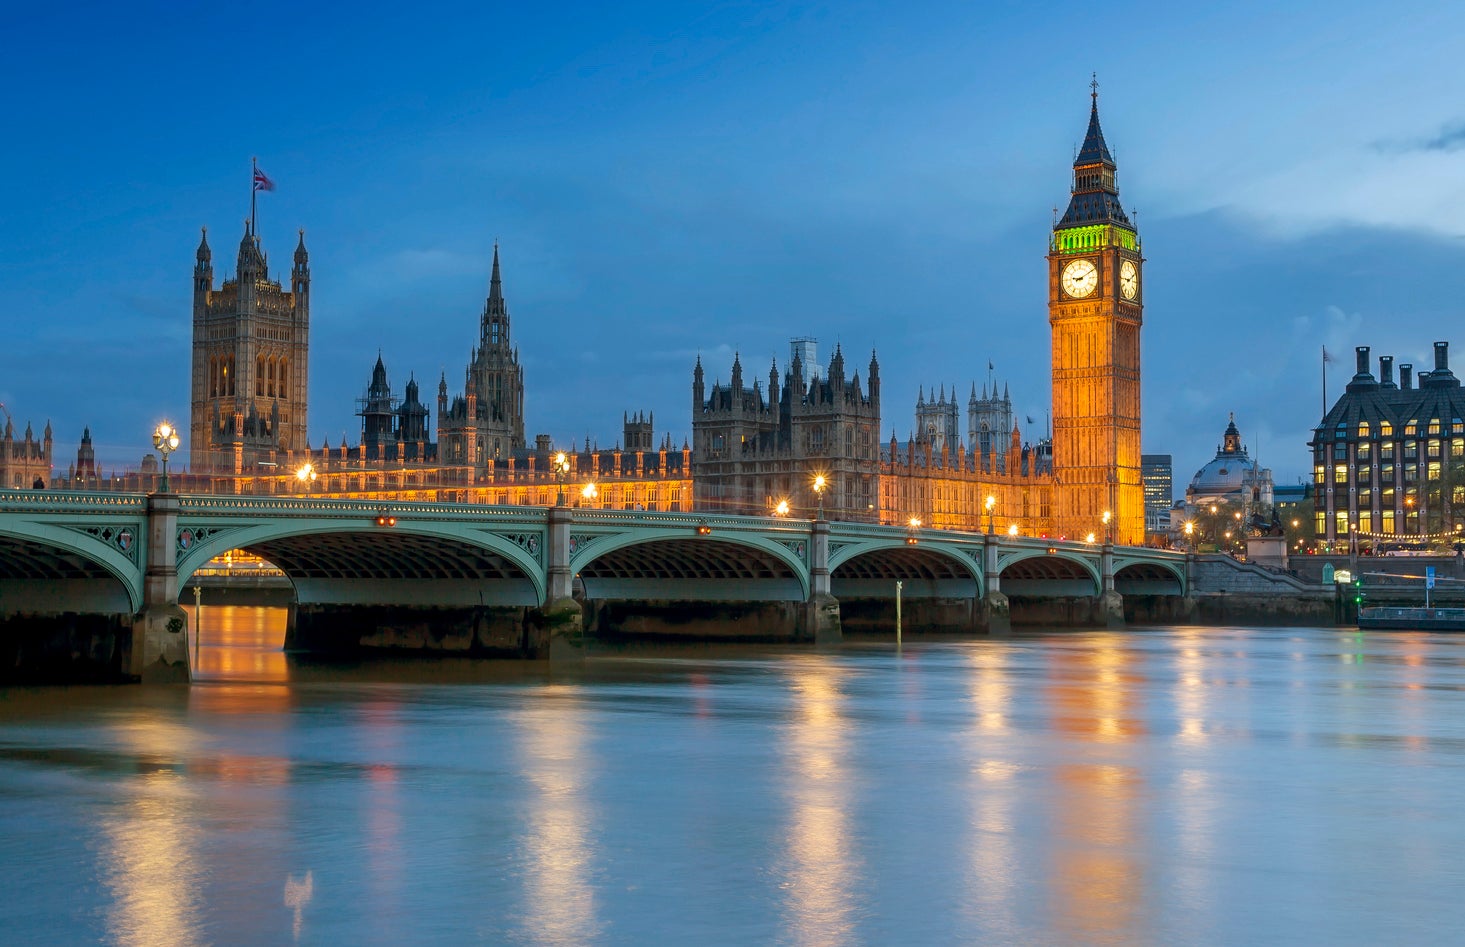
{"x":1154,"y":786}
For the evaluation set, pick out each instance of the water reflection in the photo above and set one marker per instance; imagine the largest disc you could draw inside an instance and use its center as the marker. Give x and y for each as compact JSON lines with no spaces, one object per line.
{"x":239,"y":643}
{"x":1094,"y":698}
{"x":148,"y":859}
{"x":995,"y":856}
{"x":559,"y":897}
{"x":1168,"y":786}
{"x":818,"y":862}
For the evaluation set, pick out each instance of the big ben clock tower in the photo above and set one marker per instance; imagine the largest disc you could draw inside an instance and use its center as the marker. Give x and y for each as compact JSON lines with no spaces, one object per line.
{"x":1095,"y":308}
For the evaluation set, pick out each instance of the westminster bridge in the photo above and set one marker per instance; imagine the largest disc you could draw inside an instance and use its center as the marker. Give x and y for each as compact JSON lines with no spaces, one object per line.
{"x":107,"y":571}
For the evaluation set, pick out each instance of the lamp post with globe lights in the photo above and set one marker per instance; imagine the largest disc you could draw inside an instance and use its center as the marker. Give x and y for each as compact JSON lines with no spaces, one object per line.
{"x":820,"y":482}
{"x":165,"y":441}
{"x":561,"y":465}
{"x":306,"y":475}
{"x":990,"y":503}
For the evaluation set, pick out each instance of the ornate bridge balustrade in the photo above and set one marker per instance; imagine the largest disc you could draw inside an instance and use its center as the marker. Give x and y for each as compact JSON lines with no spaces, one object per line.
{"x":492,"y":579}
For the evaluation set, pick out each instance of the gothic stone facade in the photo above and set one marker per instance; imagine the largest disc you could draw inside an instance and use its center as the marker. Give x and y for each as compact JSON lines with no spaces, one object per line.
{"x":486,"y":422}
{"x":251,"y":343}
{"x":751,"y":450}
{"x":25,"y":460}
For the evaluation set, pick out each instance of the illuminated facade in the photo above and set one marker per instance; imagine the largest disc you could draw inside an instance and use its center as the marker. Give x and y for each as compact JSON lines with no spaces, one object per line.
{"x":1389,"y":458}
{"x":24,"y":460}
{"x":751,"y":450}
{"x":1095,"y":305}
{"x":251,"y":342}
{"x":486,"y":422}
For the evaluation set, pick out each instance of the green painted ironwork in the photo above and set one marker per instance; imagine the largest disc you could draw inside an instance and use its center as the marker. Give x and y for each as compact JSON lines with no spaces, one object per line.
{"x":1094,"y":237}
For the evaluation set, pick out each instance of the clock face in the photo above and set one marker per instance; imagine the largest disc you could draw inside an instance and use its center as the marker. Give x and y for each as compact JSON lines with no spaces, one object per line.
{"x":1080,"y":278}
{"x":1128,"y":279}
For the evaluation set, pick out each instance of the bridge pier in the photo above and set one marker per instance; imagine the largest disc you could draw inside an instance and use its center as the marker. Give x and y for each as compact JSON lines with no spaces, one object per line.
{"x":1109,"y":607}
{"x":159,"y":635}
{"x":564,"y":618}
{"x":994,"y":612}
{"x":821,"y":615}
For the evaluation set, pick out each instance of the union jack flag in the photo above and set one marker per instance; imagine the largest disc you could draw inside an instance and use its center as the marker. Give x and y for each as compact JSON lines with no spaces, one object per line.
{"x":262,"y":182}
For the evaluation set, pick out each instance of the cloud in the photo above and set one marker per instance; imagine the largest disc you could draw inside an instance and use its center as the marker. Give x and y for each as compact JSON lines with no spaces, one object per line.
{"x":1451,"y":137}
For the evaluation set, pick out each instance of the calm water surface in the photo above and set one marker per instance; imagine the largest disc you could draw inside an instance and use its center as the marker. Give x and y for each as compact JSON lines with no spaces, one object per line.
{"x":1178,"y":785}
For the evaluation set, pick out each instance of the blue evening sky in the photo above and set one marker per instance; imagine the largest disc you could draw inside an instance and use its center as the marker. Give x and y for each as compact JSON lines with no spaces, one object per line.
{"x":669,"y":178}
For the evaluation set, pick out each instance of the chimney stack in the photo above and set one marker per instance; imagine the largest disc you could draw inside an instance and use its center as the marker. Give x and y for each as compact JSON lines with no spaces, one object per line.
{"x":1386,"y":371}
{"x":1406,"y":373}
{"x":1361,"y":352}
{"x":1442,"y":356}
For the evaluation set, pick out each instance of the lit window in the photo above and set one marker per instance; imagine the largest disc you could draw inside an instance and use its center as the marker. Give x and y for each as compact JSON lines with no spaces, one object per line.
{"x":1386,"y":429}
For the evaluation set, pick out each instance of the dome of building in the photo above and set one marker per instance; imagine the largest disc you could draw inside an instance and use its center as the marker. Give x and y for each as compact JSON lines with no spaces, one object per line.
{"x":1222,"y":475}
{"x":1232,"y":475}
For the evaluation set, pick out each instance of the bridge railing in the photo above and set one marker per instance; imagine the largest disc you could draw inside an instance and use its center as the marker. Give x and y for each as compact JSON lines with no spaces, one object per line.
{"x":306,"y":506}
{"x":66,"y":501}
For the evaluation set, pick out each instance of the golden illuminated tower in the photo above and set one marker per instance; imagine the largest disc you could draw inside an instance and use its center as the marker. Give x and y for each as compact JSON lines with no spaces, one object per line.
{"x":1095,"y":307}
{"x":251,"y":344}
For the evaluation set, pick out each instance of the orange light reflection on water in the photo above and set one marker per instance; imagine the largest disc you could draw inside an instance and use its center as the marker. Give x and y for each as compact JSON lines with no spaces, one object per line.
{"x":1098,"y":879}
{"x":240,"y":643}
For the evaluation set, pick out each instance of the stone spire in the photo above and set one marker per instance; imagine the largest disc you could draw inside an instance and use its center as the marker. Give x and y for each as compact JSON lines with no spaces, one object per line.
{"x":1095,"y":186}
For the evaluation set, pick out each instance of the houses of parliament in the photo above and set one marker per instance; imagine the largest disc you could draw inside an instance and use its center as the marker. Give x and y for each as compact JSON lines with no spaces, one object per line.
{"x":751,"y":448}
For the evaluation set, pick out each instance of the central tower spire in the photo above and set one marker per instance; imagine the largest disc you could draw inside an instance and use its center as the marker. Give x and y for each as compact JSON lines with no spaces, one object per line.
{"x":1095,"y":191}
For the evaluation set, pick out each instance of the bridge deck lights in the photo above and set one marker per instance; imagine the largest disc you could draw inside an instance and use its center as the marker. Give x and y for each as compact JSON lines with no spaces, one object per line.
{"x":165,"y":441}
{"x":703,"y":529}
{"x":384,"y":517}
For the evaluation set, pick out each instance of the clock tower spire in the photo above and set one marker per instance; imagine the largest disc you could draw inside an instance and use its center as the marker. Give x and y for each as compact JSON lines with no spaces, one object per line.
{"x":1095,"y":309}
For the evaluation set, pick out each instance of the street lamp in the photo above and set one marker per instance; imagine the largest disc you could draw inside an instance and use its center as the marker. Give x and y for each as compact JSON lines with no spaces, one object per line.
{"x":561,"y":464}
{"x":306,"y":475}
{"x":1108,"y":531}
{"x":915,"y":524}
{"x":781,"y":509}
{"x":991,"y":502}
{"x":1012,"y":530}
{"x":1190,"y":536}
{"x":165,"y":441}
{"x":820,"y":482}
{"x":589,"y":492}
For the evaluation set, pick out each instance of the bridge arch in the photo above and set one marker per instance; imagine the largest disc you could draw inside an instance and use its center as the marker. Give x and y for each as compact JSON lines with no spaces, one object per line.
{"x":676,"y":564}
{"x":925,"y":570}
{"x":43,"y":563}
{"x":1038,"y":572}
{"x":1152,"y":577}
{"x":358,"y":562}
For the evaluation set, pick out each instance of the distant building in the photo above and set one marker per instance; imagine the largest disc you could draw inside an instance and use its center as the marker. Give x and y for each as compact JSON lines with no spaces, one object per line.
{"x":486,"y":422}
{"x":25,"y":461}
{"x":1156,"y":474}
{"x":1389,"y":458}
{"x":1231,"y":478}
{"x":937,"y":421}
{"x":251,"y":341}
{"x":751,"y":448}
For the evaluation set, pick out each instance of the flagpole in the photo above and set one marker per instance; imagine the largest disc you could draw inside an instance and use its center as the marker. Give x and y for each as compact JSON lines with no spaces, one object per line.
{"x":1325,"y":385}
{"x":253,"y":193}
